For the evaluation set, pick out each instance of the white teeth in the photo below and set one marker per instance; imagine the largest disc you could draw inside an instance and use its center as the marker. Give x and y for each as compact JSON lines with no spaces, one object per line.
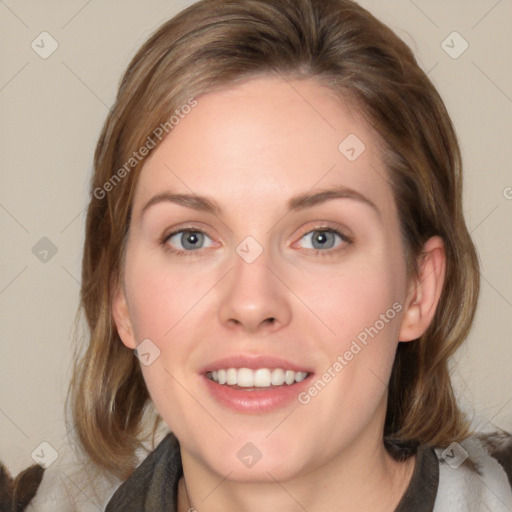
{"x":260,"y":378}
{"x":289,"y":377}
{"x":300,"y":376}
{"x":231,"y":376}
{"x":277,"y":377}
{"x":245,"y":378}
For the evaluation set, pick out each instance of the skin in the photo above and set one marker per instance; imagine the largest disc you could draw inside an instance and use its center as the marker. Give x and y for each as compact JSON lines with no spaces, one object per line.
{"x":250,"y":148}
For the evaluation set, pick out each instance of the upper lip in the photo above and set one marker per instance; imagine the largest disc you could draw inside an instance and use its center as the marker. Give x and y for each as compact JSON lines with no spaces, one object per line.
{"x":254,"y":362}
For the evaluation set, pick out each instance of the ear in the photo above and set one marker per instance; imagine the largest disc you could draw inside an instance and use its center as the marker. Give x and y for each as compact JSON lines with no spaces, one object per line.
{"x":424,"y":291}
{"x":121,"y":315}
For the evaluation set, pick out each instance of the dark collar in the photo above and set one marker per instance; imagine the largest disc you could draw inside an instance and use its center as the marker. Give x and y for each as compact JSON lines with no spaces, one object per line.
{"x":153,"y":486}
{"x":421,"y":493}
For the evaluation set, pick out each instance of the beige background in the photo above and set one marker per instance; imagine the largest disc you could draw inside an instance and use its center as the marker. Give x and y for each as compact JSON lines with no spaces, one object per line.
{"x":51,"y":114}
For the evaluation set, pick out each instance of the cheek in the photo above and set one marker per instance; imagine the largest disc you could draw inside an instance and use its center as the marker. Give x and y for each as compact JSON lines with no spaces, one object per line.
{"x":360,"y":308}
{"x":161,"y":300}
{"x":353,"y":300}
{"x":165,"y":308}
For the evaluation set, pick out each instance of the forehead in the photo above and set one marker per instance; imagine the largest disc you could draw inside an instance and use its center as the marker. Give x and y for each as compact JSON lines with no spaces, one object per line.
{"x":266,"y":139}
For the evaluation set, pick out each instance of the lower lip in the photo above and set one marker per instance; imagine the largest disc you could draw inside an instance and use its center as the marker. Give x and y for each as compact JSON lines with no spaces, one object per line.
{"x":256,"y":401}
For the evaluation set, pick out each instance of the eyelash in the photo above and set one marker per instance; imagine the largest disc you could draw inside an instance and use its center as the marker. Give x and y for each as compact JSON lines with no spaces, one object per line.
{"x":317,"y":252}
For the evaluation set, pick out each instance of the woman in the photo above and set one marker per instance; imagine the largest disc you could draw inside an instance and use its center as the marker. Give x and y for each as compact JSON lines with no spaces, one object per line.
{"x":275,"y":231}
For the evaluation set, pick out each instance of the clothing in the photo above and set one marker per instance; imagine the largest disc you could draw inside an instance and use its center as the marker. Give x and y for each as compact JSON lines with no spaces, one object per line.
{"x":435,"y":486}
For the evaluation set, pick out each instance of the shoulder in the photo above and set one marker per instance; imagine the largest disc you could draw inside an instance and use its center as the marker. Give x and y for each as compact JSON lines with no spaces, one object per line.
{"x":74,"y":484}
{"x":472,"y":477}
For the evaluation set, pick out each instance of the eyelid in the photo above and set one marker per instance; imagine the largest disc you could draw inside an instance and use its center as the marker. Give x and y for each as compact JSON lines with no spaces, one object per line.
{"x":347,"y":238}
{"x":185,"y":227}
{"x":326,"y":226}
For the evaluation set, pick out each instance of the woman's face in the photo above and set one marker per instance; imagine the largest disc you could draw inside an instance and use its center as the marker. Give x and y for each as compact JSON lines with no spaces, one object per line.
{"x":257,"y":271}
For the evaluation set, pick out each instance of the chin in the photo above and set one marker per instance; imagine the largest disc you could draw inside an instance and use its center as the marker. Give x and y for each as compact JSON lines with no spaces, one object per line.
{"x":245,"y":461}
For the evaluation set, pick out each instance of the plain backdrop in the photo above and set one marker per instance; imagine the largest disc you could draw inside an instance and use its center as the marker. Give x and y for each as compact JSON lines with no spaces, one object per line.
{"x":52,"y":110}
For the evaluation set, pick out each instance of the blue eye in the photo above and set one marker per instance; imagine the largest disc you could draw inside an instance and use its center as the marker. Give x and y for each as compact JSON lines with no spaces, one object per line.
{"x":189,"y":239}
{"x":324,"y":239}
{"x":189,"y":242}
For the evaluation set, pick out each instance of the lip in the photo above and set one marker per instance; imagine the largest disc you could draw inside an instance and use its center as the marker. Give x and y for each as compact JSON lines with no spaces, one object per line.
{"x":255,"y":401}
{"x":254,"y":362}
{"x":251,"y":400}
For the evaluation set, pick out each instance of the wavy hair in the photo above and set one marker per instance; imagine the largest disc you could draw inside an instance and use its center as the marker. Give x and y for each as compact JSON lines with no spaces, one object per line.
{"x":215,"y":44}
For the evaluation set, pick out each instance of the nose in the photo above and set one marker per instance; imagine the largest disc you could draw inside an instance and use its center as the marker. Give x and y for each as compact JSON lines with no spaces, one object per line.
{"x":253,"y":297}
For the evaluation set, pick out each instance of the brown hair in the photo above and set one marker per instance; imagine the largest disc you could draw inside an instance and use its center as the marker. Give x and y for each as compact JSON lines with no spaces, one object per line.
{"x":218,"y":43}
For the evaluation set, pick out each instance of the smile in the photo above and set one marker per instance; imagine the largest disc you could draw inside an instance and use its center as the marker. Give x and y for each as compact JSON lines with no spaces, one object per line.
{"x":259,"y":378}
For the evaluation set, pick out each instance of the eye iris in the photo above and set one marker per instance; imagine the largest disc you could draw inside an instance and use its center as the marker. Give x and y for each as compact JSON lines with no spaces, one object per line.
{"x":322,"y":237}
{"x":190,"y":237}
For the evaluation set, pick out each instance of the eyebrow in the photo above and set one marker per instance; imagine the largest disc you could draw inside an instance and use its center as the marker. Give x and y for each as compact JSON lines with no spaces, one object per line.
{"x":296,"y":203}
